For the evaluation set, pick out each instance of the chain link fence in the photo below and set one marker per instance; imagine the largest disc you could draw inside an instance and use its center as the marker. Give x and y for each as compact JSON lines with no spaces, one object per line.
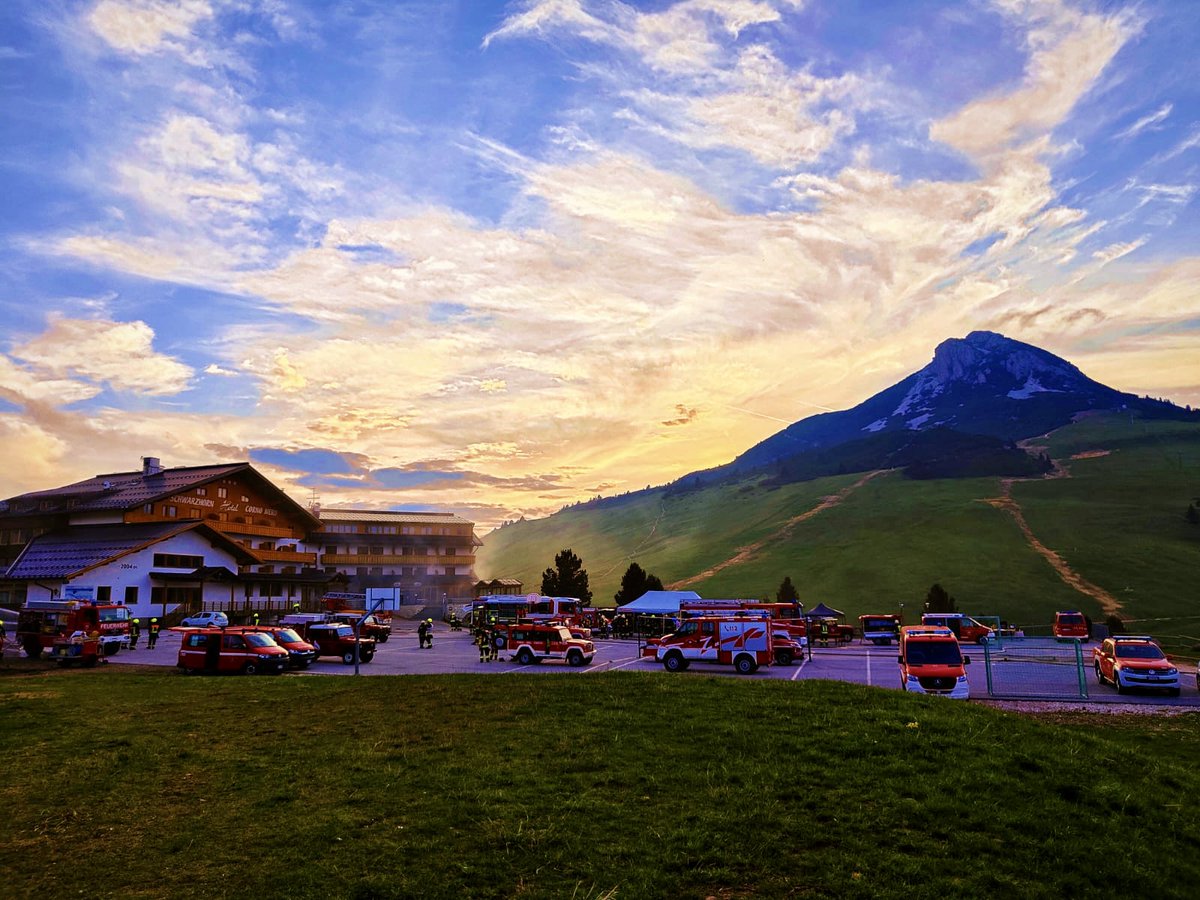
{"x":1035,"y":668}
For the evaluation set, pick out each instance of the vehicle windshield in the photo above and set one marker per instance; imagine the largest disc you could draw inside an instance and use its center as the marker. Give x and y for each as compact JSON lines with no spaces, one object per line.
{"x":258,"y":639}
{"x":288,"y":636}
{"x":687,"y":628}
{"x":1070,"y":620}
{"x":879,"y":624}
{"x":933,"y":653}
{"x":1138,"y":651}
{"x":563,"y":634}
{"x":115,"y":614}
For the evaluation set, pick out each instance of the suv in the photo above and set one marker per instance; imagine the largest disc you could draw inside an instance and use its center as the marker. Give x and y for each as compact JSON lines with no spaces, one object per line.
{"x":208,"y":619}
{"x":337,"y":639}
{"x":1070,"y":624}
{"x":1131,"y":661}
{"x":371,"y":626}
{"x":531,"y":642}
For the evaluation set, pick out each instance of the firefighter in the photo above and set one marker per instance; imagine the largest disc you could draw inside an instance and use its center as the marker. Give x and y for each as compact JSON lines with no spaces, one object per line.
{"x":422,"y":630}
{"x":455,"y":625}
{"x":152,"y":634}
{"x":428,"y":640}
{"x":482,"y":639}
{"x":254,"y":618}
{"x":135,"y":632}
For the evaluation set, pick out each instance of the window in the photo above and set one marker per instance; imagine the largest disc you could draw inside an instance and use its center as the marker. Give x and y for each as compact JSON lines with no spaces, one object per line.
{"x":104,"y":594}
{"x":361,"y":570}
{"x":222,"y":493}
{"x":377,"y":570}
{"x":131,"y":593}
{"x":177,"y":561}
{"x":169,"y":511}
{"x":377,"y":551}
{"x":449,"y":570}
{"x":148,"y":509}
{"x":201,"y":492}
{"x":232,"y":641}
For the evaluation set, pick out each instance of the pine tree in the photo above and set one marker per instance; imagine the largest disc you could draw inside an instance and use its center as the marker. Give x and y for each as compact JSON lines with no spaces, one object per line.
{"x":939,"y":601}
{"x":787,"y":592}
{"x":568,"y":578}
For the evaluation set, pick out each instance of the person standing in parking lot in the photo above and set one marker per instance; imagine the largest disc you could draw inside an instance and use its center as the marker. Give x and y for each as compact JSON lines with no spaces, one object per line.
{"x":422,"y":630}
{"x":152,"y":634}
{"x":135,"y":632}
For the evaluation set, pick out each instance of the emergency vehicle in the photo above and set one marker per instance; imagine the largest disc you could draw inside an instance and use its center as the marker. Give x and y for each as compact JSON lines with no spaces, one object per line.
{"x":1070,"y":624}
{"x":787,"y":617}
{"x":879,"y":629}
{"x":532,"y":642}
{"x":932,"y":662}
{"x":230,"y":650}
{"x":1135,"y":661}
{"x":78,"y":648}
{"x":964,"y":627}
{"x":41,"y":622}
{"x":371,"y":626}
{"x":330,"y":638}
{"x":743,"y":642}
{"x":301,"y":654}
{"x":493,"y":608}
{"x":567,"y":610}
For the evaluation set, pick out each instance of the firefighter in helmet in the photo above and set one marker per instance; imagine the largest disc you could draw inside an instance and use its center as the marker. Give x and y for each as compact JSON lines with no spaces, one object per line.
{"x":152,"y":634}
{"x":422,"y":630}
{"x":428,"y":639}
{"x":135,"y":632}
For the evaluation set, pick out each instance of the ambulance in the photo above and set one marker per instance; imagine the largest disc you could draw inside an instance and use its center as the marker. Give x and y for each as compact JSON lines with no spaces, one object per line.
{"x":744,"y":643}
{"x":931,"y":662}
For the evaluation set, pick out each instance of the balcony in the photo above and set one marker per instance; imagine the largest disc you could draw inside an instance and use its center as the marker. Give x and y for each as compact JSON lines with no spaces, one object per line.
{"x":285,"y":556}
{"x":349,"y":559}
{"x":239,"y":528}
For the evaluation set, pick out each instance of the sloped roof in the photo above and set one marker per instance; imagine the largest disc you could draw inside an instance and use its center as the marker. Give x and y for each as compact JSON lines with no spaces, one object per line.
{"x":73,"y":551}
{"x":399,"y":517}
{"x":821,"y":611}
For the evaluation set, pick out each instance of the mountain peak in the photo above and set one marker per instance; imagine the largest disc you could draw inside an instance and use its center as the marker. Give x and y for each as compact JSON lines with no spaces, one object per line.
{"x":985,"y":356}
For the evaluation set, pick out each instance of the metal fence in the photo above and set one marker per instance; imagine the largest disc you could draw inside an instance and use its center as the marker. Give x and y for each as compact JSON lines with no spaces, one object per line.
{"x":1035,"y":668}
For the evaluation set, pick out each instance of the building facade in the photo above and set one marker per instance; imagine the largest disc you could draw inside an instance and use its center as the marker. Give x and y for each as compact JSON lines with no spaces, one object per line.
{"x":136,"y":537}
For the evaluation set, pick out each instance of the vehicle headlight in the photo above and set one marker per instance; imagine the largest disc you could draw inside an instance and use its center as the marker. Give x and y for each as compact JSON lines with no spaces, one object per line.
{"x":962,"y":678}
{"x":913,"y":679}
{"x":266,"y":657}
{"x":1170,"y":671}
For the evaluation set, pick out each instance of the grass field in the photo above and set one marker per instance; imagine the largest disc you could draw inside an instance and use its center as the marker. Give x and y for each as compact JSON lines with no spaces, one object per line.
{"x":1118,"y":521}
{"x":625,"y":785}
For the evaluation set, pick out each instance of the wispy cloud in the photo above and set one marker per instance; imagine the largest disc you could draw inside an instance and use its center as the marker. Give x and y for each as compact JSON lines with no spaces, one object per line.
{"x":1146,"y":122}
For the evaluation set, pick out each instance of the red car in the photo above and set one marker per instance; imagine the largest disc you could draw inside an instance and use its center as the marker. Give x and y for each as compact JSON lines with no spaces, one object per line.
{"x":1135,"y":661}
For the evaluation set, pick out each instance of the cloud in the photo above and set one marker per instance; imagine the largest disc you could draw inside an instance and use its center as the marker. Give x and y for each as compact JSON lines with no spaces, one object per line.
{"x":140,"y":27}
{"x":1146,"y":122}
{"x":100,"y":352}
{"x":1067,"y":52}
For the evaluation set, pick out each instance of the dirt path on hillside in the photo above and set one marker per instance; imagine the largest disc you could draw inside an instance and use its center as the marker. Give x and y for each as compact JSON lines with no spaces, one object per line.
{"x":748,"y":552}
{"x":1109,"y":603}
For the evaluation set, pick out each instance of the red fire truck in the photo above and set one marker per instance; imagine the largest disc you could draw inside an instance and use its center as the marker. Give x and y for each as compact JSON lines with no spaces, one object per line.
{"x":744,"y":643}
{"x":787,"y":617}
{"x":41,"y":622}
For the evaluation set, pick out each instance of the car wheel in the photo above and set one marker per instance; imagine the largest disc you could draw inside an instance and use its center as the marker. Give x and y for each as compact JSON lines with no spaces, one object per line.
{"x":673,"y":662}
{"x":1099,"y":675}
{"x":575,"y":659}
{"x":348,"y":657}
{"x":1116,"y":680}
{"x":525,"y":656}
{"x":250,"y":669}
{"x":745,"y":665}
{"x":783,"y":657}
{"x":382,"y":637}
{"x":368,"y":656}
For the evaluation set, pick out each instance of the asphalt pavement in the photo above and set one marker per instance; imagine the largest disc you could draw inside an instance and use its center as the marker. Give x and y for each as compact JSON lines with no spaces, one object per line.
{"x":454,"y":652}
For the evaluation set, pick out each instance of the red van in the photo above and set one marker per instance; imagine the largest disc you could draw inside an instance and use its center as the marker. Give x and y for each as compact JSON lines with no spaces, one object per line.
{"x":220,"y":650}
{"x":301,"y":654}
{"x":931,"y":662}
{"x":1070,"y":624}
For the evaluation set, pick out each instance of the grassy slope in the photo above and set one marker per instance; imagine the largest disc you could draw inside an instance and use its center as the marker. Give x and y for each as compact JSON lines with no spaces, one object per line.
{"x":1118,"y":521}
{"x":622,"y":785}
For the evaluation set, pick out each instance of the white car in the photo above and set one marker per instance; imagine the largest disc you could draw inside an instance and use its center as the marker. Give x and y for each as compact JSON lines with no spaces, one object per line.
{"x":206,"y":620}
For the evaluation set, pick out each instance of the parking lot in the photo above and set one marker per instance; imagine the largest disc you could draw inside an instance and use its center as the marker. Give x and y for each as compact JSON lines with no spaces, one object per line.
{"x":454,"y":652}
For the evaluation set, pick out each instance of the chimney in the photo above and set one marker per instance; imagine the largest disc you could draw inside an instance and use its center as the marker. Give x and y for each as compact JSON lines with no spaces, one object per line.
{"x":151,"y":465}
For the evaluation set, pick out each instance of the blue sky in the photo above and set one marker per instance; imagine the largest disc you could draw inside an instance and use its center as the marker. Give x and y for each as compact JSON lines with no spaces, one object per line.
{"x":499,"y":257}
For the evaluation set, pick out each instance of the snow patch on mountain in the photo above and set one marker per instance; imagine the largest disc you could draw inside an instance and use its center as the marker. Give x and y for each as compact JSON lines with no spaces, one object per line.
{"x":1032,"y":386}
{"x":915,"y":424}
{"x":877,"y":425}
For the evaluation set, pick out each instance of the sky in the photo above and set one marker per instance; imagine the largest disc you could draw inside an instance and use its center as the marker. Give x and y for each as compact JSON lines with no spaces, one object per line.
{"x":496,"y":258}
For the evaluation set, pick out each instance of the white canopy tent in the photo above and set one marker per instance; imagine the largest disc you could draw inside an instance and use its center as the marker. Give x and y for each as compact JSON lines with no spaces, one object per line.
{"x":658,"y":603}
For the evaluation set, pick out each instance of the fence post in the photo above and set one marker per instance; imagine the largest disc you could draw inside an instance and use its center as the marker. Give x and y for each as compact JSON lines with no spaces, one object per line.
{"x":1083,"y":691}
{"x":987,"y":665}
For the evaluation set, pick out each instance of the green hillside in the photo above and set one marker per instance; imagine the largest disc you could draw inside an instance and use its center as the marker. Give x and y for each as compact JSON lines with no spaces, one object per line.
{"x":1117,"y":521}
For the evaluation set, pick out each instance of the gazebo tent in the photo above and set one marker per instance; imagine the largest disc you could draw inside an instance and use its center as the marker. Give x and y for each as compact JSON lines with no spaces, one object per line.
{"x":657,"y":603}
{"x":821,"y":611}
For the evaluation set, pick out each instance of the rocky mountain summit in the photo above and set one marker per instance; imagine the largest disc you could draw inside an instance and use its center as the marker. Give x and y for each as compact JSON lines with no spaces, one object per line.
{"x":961,"y":414}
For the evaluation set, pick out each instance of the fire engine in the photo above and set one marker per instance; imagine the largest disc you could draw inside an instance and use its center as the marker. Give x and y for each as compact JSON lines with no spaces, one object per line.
{"x":743,"y":642}
{"x":41,"y":622}
{"x":532,"y":642}
{"x":787,"y":617}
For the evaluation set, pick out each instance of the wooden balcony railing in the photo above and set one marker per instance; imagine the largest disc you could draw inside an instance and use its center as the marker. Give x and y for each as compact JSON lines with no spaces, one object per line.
{"x":354,"y":559}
